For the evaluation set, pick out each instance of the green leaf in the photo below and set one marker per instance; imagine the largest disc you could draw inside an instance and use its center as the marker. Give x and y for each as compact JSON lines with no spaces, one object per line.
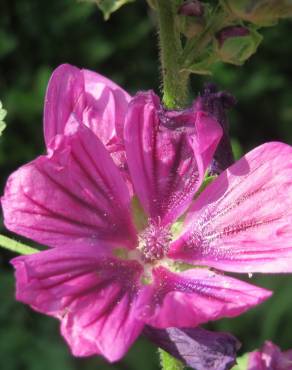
{"x":204,"y":65}
{"x":241,"y":362}
{"x":168,"y":362}
{"x":3,"y":113}
{"x":109,"y":6}
{"x":201,"y":68}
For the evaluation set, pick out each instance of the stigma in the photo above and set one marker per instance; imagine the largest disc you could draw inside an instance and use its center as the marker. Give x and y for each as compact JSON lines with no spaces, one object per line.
{"x":154,"y":242}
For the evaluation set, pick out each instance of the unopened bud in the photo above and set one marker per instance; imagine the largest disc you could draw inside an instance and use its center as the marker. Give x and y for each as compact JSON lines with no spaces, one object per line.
{"x":191,"y":8}
{"x":235,"y":44}
{"x":191,"y":19}
{"x":217,"y":103}
{"x":259,"y":12}
{"x":231,"y":31}
{"x":196,"y":348}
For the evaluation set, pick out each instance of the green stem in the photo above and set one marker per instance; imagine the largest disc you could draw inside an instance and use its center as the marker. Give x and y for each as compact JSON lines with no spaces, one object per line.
{"x":175,"y":82}
{"x":168,"y":362}
{"x":15,"y":246}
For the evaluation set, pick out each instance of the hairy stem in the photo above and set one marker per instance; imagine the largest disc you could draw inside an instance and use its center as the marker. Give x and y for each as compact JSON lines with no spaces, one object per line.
{"x":175,"y":81}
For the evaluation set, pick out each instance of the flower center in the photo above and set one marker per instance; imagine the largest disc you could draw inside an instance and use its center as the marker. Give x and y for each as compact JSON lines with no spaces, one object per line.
{"x":154,"y":242}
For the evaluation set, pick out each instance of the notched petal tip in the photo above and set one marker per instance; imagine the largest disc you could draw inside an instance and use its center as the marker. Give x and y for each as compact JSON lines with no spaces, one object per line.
{"x":96,"y":101}
{"x":64,"y":95}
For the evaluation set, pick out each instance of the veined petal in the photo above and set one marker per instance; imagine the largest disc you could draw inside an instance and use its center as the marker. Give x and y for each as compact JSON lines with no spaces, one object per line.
{"x":242,"y":222}
{"x":196,"y":296}
{"x":167,"y":160}
{"x":92,"y":294}
{"x":73,"y":196}
{"x":96,"y":101}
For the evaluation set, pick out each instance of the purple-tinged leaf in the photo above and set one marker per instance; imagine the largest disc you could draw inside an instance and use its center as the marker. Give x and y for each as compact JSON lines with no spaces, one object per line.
{"x":217,"y":103}
{"x":197,"y":348}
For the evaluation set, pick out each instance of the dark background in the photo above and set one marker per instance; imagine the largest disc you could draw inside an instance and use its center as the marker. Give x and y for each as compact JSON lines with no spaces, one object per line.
{"x":35,"y":37}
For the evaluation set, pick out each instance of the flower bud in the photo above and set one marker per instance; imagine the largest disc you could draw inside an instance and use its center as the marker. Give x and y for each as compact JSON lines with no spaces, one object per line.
{"x":196,"y":347}
{"x":191,"y":18}
{"x":192,"y":8}
{"x":235,"y":44}
{"x":229,"y":32}
{"x":217,"y":103}
{"x":259,"y":12}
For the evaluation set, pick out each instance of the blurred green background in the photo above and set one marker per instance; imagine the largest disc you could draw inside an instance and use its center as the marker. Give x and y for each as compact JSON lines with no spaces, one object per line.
{"x":35,"y":37}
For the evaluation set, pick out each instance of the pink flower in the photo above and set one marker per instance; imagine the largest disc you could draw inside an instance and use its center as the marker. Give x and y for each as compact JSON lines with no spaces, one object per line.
{"x":270,"y":357}
{"x":128,"y":254}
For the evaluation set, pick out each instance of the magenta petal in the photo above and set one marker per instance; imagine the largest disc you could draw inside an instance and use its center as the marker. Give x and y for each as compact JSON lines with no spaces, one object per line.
{"x":107,"y":106}
{"x":205,"y":141}
{"x":196,"y":296}
{"x":167,"y":165}
{"x":65,"y":95}
{"x":242,"y":222}
{"x":95,"y":100}
{"x":270,"y":357}
{"x":73,"y":197}
{"x":93,"y":295}
{"x":255,"y":361}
